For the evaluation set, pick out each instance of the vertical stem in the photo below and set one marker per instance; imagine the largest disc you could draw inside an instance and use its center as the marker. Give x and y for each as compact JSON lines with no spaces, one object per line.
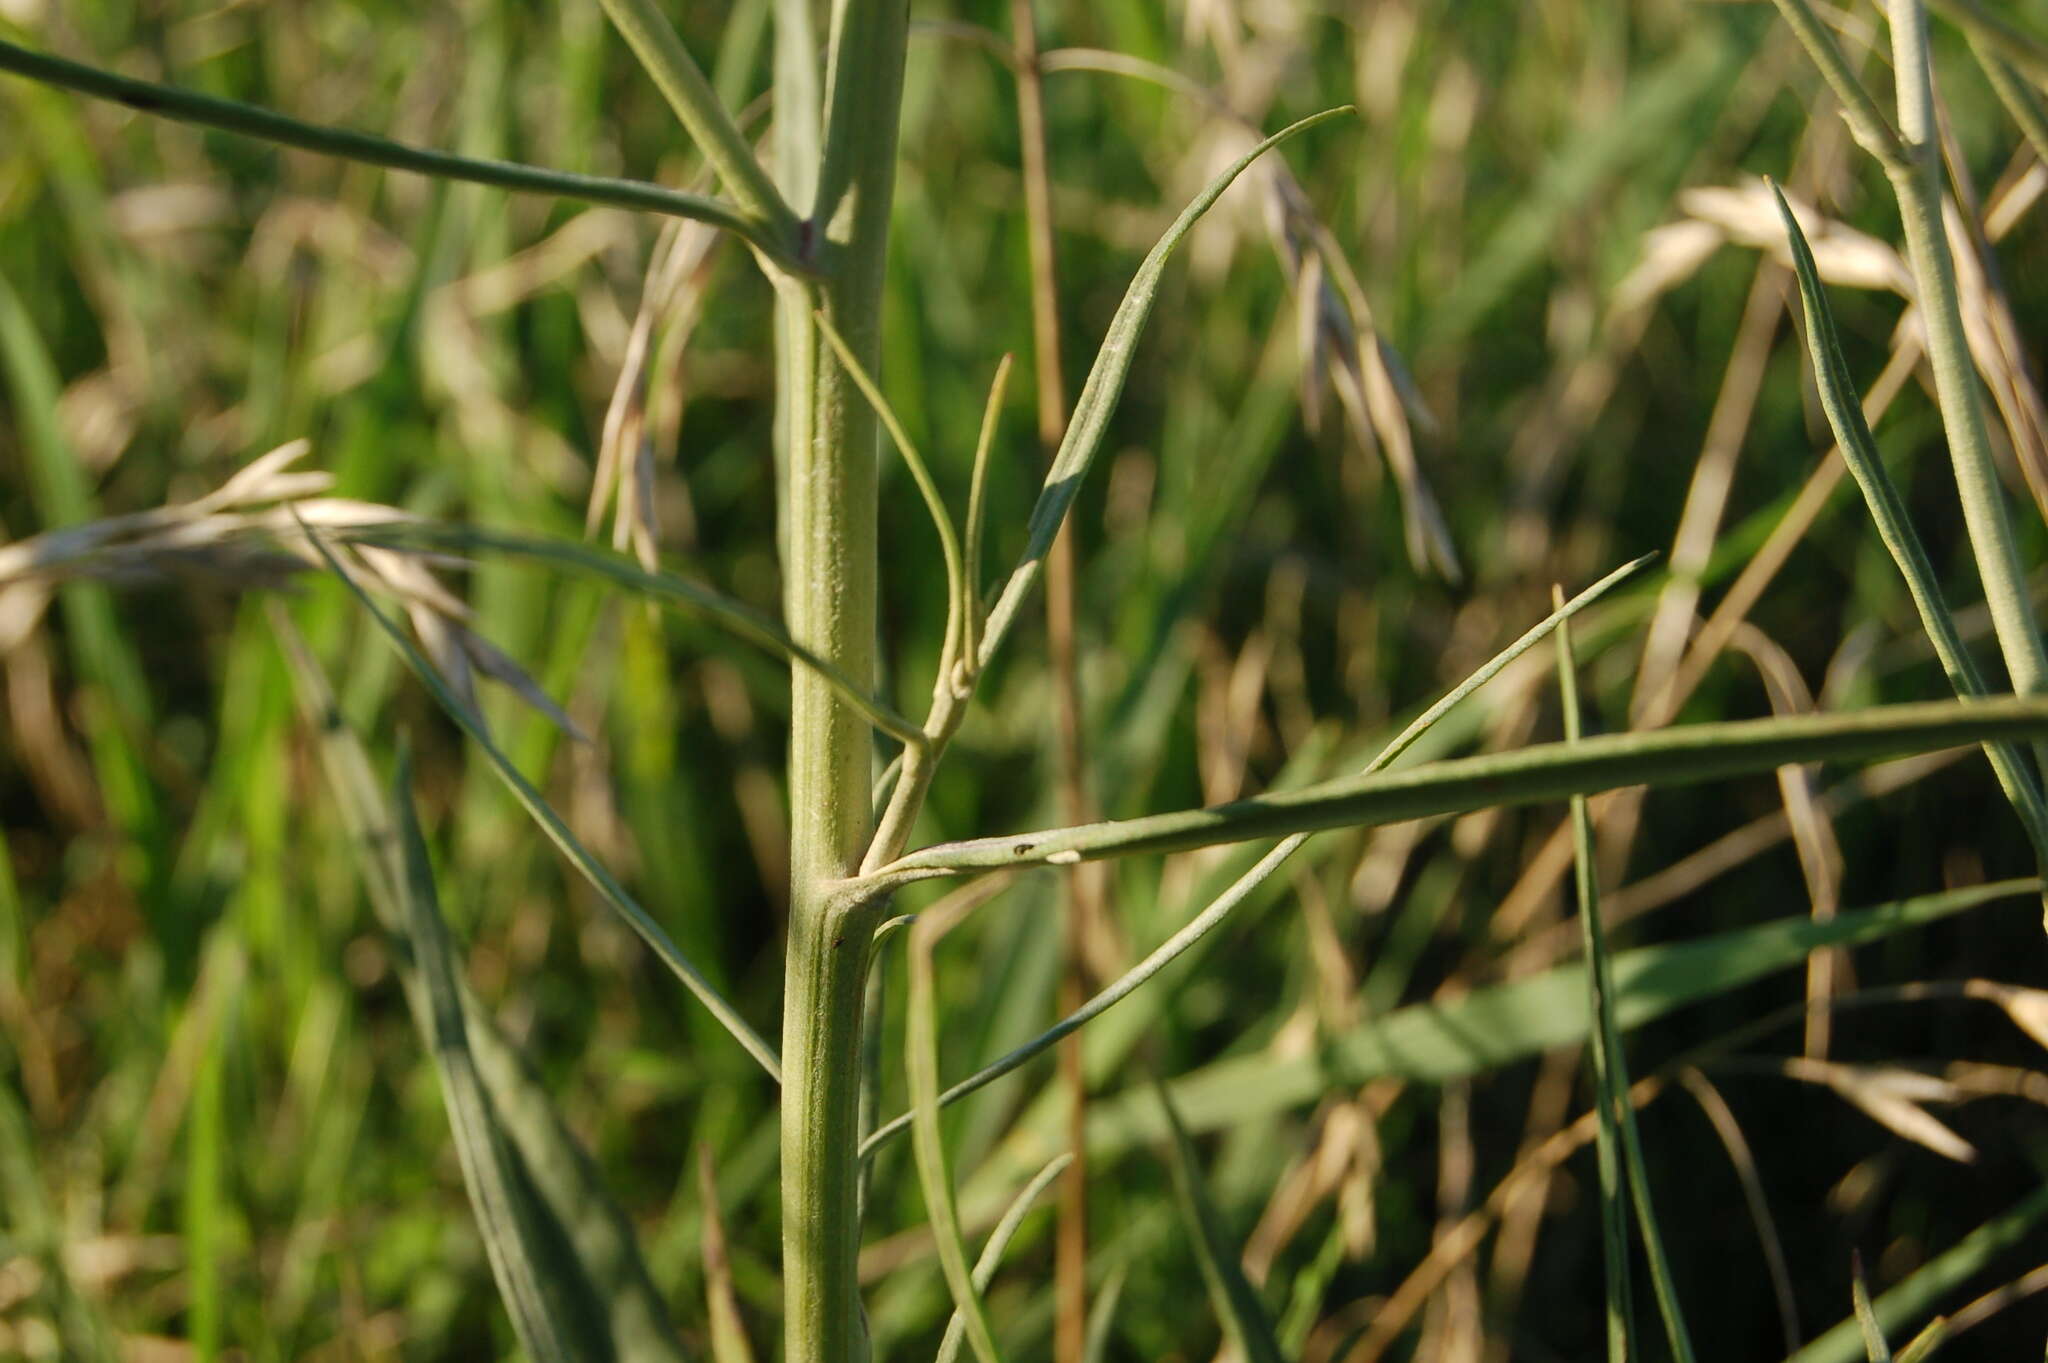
{"x":1917,"y":184}
{"x":1085,"y":884}
{"x":828,"y":534}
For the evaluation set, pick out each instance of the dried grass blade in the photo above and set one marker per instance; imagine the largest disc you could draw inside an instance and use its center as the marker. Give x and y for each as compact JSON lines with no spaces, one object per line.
{"x":728,"y":1332}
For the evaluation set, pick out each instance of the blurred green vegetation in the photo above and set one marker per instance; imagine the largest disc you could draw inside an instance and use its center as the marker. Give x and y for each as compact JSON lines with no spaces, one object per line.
{"x":218,"y":1132}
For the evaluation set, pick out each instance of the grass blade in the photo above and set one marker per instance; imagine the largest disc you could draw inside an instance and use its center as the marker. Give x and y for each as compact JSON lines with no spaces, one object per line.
{"x":1102,"y":1317}
{"x":1497,"y":1026}
{"x":502,"y":1217}
{"x":600,"y":879}
{"x":1549,"y":771}
{"x":1610,"y":1076}
{"x":1226,"y":903}
{"x":1926,"y":1285}
{"x":1610,"y":1061}
{"x":1243,"y":1314}
{"x":1874,"y":1346}
{"x":998,"y":1241}
{"x":561,"y":1172}
{"x":1104,"y":386}
{"x":1895,"y":527}
{"x":921,"y":1061}
{"x":189,"y":106}
{"x":670,"y":589}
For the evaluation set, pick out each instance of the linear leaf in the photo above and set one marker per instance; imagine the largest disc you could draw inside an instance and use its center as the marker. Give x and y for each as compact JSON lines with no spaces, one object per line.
{"x":593,"y":870}
{"x":560,"y":1170}
{"x":1244,"y":1315}
{"x":1549,"y":771}
{"x":503,"y":1218}
{"x":1610,"y":1071}
{"x":189,"y":106}
{"x":921,"y":1062}
{"x":669,"y":588}
{"x":1874,"y":1345}
{"x":1486,"y":1029}
{"x":998,"y":1241}
{"x":1105,"y":385}
{"x":1917,"y":1293}
{"x":1895,"y":527}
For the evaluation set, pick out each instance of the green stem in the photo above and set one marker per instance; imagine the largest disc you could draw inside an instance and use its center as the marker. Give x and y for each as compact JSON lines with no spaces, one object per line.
{"x":188,"y":106}
{"x":829,"y":564}
{"x":1918,"y":189}
{"x":653,"y":40}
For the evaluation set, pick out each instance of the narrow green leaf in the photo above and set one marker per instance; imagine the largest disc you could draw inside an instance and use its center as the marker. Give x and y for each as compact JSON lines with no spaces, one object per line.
{"x":1104,"y":386}
{"x":1230,"y":1292}
{"x":600,"y":879}
{"x":921,"y":1061}
{"x":1610,"y":1076}
{"x":620,"y":1287}
{"x":670,"y":589}
{"x":1102,"y":1317}
{"x":1493,"y":1027}
{"x":1895,"y":527}
{"x":927,"y":487}
{"x":653,"y":40}
{"x":998,"y":1241}
{"x":1551,"y":771}
{"x":1240,"y":890}
{"x":1874,"y":1346}
{"x":1617,"y":1113}
{"x":494,"y":1191}
{"x":1918,"y":1292}
{"x":189,"y":106}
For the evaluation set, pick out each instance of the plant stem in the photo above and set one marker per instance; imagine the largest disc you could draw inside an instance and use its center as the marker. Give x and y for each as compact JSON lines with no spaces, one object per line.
{"x":828,"y":530}
{"x":1918,"y":189}
{"x":189,"y":106}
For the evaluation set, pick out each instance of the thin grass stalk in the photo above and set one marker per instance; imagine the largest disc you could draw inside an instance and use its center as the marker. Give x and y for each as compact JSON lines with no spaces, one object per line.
{"x":828,"y":531}
{"x":1916,"y":184}
{"x":189,"y":106}
{"x":1610,"y":1083}
{"x":1085,"y":891}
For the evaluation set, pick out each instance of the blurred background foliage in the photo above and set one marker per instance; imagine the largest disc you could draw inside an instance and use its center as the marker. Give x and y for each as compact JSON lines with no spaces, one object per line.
{"x":214,"y":1103}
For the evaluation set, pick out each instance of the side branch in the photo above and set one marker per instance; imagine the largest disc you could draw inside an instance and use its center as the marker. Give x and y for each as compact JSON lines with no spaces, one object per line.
{"x":1549,"y":771}
{"x":247,"y":120}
